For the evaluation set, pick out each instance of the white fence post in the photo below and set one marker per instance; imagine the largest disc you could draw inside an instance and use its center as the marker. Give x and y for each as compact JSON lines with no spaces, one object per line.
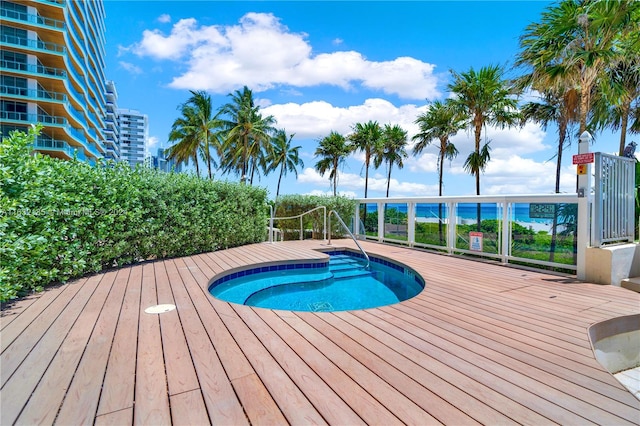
{"x":584,"y":202}
{"x":381,"y":222}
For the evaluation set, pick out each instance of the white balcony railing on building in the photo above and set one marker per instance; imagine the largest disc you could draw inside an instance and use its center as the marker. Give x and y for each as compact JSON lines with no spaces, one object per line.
{"x":531,"y":229}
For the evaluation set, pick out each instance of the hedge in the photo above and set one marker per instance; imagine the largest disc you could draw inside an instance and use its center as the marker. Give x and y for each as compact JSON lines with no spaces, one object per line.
{"x":63,"y":219}
{"x":293,"y":205}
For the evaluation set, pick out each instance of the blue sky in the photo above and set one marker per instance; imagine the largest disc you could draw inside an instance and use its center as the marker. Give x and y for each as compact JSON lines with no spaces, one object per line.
{"x":322,"y":66}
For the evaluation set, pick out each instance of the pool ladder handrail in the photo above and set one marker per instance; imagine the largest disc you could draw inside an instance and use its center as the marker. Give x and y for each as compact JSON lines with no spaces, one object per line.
{"x":366,"y":256}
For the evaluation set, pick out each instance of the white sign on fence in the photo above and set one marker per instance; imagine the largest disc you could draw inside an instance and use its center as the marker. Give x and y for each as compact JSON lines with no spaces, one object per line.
{"x":475,"y":241}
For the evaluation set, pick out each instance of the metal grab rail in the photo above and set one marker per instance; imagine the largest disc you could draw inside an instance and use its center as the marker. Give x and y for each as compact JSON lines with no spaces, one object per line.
{"x":350,"y":234}
{"x":324,"y":231}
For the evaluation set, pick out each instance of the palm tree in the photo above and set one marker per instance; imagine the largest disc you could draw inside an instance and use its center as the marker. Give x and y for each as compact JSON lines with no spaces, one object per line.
{"x":558,"y":106}
{"x":196,"y":131}
{"x":394,"y":142}
{"x":441,"y":121}
{"x":333,"y":151}
{"x":284,"y":156}
{"x":366,"y":138}
{"x":247,"y":133}
{"x":575,"y":41}
{"x":614,"y":107}
{"x":484,"y":98}
{"x":184,"y":135}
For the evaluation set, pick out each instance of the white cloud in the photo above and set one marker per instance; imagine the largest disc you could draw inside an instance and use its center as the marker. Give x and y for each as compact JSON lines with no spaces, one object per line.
{"x":317,"y":119}
{"x":262,"y":53}
{"x":164,"y":18}
{"x":152,"y":145}
{"x":130,"y":68}
{"x":337,"y":41}
{"x":377,"y":184}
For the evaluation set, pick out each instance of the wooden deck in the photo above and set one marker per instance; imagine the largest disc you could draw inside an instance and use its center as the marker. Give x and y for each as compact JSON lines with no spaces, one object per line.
{"x":483,"y":343}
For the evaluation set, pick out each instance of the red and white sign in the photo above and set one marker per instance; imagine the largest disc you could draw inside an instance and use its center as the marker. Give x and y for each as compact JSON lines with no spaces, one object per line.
{"x":586,"y":158}
{"x":475,"y":241}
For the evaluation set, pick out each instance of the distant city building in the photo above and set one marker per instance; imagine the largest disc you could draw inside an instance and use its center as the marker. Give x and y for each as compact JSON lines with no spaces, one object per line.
{"x":112,"y":129}
{"x":161,"y":162}
{"x":52,"y":72}
{"x":134,"y":133}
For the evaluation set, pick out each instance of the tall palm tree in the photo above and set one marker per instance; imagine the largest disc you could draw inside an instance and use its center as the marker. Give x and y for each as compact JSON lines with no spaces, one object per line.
{"x":196,"y":131}
{"x":441,"y":121}
{"x":557,"y":105}
{"x":184,"y":134}
{"x":619,"y":92}
{"x":366,"y":138}
{"x":484,"y":98}
{"x":284,"y":156}
{"x":333,"y":151}
{"x":394,"y":142}
{"x":574,"y":42}
{"x":247,"y":133}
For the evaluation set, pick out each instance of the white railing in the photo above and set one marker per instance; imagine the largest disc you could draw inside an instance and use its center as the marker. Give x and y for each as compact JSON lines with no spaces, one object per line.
{"x":515,"y":228}
{"x":299,"y":216}
{"x":346,"y":228}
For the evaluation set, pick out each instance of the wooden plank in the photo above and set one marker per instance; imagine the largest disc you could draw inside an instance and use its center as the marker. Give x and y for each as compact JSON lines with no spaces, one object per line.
{"x":119,"y":380}
{"x":332,"y":408}
{"x":22,"y":337}
{"x":181,"y":376}
{"x":220,"y":399}
{"x":437,"y":402}
{"x":13,"y":309}
{"x":46,"y":399}
{"x":19,"y":386}
{"x":188,"y":409}
{"x":290,"y":400}
{"x":424,"y":407}
{"x":568,"y":369}
{"x":116,"y":418}
{"x":578,"y":394}
{"x":351,"y":391}
{"x":152,"y":400}
{"x":81,"y":403}
{"x":255,"y":399}
{"x":545,"y":400}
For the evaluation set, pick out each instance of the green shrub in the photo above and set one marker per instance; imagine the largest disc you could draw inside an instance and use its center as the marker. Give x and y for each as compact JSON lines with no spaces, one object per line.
{"x":63,"y":219}
{"x":293,"y":205}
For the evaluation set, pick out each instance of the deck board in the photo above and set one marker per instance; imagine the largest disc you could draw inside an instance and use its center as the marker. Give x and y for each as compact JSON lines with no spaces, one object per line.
{"x":482,"y":344}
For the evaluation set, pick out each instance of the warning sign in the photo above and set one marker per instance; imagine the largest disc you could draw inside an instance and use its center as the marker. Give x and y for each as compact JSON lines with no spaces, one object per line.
{"x":475,"y":241}
{"x":586,"y":158}
{"x":582,"y":169}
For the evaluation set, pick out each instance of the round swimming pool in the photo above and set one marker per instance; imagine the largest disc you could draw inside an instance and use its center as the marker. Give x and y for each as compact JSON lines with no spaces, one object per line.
{"x":341,"y":284}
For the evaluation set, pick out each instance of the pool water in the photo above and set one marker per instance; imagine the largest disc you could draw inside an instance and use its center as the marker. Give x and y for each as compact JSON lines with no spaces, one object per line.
{"x":342,"y":284}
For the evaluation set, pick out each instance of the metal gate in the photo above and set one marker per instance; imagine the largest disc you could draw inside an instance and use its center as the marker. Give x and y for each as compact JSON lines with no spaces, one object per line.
{"x":614,"y":200}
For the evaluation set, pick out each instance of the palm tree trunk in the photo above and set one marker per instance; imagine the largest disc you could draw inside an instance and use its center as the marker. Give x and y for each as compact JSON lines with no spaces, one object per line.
{"x":366,"y":175}
{"x":389,"y":179}
{"x":623,"y":126}
{"x":195,"y":160}
{"x":440,"y":225}
{"x":244,"y":159}
{"x":478,"y":134}
{"x":279,"y":179}
{"x":335,"y":177}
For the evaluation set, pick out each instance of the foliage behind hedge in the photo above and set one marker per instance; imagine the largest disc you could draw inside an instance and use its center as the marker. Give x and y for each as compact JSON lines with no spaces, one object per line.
{"x":63,"y":219}
{"x":293,"y":205}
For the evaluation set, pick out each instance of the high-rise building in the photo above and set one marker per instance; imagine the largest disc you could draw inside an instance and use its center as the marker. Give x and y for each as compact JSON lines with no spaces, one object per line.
{"x":134,"y":132}
{"x":112,"y":129}
{"x":52,"y":72}
{"x":161,"y":162}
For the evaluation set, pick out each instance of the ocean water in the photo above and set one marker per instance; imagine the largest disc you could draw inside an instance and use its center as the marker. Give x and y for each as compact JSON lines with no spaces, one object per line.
{"x":468,"y":211}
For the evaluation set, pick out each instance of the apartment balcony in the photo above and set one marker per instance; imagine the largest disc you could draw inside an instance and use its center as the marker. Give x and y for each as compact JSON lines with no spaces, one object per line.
{"x":30,"y":18}
{"x":37,"y":45}
{"x":37,"y":70}
{"x":32,"y":94}
{"x":55,"y":145}
{"x":21,"y":118}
